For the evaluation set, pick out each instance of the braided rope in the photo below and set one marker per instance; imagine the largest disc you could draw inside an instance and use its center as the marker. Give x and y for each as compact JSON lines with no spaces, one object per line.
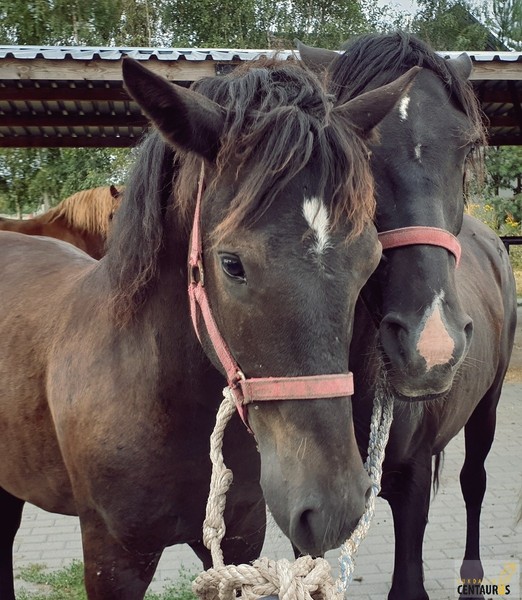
{"x":306,"y":578}
{"x":380,"y":425}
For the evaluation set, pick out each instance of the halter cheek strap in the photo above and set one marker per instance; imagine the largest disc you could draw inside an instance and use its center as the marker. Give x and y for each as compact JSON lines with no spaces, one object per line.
{"x":409,"y":236}
{"x":248,"y":390}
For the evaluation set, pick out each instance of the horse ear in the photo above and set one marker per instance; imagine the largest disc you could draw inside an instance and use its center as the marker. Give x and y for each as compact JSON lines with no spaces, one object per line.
{"x":369,"y":109}
{"x":462,"y":65}
{"x":317,"y":60}
{"x":114,"y":191}
{"x":187,"y":120}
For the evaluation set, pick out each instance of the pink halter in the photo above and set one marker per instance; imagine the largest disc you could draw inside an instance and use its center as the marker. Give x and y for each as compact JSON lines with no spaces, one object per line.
{"x":248,"y":390}
{"x":433,"y":236}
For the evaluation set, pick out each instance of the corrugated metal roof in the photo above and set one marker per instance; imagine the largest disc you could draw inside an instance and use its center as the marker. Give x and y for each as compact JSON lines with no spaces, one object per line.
{"x":485,"y":56}
{"x":74,"y":96}
{"x":103,"y":53}
{"x":195,"y":54}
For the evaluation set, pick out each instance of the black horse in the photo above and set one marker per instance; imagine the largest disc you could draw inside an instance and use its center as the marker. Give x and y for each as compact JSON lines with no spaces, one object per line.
{"x":434,"y":330}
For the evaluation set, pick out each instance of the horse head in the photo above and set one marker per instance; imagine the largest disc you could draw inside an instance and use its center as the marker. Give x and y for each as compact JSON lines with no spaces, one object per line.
{"x":283,"y":242}
{"x":419,"y":165}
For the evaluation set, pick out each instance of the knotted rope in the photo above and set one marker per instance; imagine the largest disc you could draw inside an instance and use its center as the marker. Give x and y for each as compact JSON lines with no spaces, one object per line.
{"x":306,"y":578}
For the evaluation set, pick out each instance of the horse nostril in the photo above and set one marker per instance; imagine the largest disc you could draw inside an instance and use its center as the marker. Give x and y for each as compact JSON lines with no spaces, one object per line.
{"x":468,"y":330}
{"x":393,"y":335}
{"x":307,"y":522}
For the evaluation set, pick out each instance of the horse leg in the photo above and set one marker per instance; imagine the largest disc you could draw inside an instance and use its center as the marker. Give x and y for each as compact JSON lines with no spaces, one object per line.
{"x":409,"y":501}
{"x":112,"y":571}
{"x":10,"y":518}
{"x":478,"y":433}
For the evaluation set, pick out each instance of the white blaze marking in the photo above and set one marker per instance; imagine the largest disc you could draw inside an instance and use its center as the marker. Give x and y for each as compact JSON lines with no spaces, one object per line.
{"x":316,"y":215}
{"x":403,"y":107}
{"x":435,"y":343}
{"x":417,"y":151}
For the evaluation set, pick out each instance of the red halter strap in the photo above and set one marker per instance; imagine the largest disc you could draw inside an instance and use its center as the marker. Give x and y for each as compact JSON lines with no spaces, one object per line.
{"x":409,"y":236}
{"x":249,"y":390}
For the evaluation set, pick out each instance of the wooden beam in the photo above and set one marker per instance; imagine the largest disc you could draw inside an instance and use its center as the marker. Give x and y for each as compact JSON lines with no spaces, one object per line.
{"x":99,"y":70}
{"x":96,"y":141}
{"x":73,"y":120}
{"x":503,"y":121}
{"x":510,"y":139}
{"x":497,"y":70}
{"x":46,"y":94}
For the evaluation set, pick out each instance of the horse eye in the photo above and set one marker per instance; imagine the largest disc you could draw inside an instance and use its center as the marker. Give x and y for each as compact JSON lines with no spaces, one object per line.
{"x":233,"y":267}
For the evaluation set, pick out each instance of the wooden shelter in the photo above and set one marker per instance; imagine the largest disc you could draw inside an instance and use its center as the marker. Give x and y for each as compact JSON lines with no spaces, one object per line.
{"x":74,"y":96}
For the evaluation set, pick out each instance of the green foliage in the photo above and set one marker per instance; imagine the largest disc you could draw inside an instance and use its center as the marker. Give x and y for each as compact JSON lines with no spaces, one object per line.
{"x":59,"y":21}
{"x":30,"y":175}
{"x":67,"y":584}
{"x":504,"y":167}
{"x":450,"y":25}
{"x":501,"y":203}
{"x":261,"y":23}
{"x":506,"y":18}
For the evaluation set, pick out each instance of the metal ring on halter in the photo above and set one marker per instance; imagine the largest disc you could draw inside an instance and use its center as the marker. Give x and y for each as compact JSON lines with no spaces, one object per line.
{"x":197,"y":274}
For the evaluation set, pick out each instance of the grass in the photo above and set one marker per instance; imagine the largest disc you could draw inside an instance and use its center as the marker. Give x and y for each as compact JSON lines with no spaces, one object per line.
{"x":67,"y":584}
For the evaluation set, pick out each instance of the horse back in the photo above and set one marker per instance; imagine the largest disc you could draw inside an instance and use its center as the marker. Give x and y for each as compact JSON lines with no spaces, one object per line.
{"x":487,"y":285}
{"x":39,"y":276}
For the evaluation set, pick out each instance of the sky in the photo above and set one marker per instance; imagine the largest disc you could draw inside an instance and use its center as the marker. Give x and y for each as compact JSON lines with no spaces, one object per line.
{"x":409,"y":6}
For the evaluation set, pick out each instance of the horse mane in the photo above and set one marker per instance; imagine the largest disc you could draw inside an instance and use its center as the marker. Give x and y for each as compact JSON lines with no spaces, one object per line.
{"x":140,"y":218}
{"x":373,"y":60}
{"x":276,"y":113}
{"x":87,"y":210}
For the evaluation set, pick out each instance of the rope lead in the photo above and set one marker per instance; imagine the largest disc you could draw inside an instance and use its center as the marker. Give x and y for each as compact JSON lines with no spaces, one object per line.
{"x":307,"y":578}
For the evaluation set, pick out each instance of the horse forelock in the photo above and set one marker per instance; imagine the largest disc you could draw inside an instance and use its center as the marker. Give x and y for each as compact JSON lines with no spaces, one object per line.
{"x":377,"y":59}
{"x":87,"y":210}
{"x":279,"y":120}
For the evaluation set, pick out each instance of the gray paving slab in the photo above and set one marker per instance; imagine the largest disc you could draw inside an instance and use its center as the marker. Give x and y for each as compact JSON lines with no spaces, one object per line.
{"x":54,"y":540}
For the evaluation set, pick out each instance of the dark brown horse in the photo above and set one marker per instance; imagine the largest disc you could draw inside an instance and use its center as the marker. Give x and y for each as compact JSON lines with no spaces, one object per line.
{"x":432,"y":333}
{"x":82,"y":219}
{"x":107,"y":399}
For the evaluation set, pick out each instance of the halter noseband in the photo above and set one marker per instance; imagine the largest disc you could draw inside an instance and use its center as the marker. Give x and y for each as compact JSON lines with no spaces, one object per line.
{"x":248,"y":390}
{"x":433,"y":236}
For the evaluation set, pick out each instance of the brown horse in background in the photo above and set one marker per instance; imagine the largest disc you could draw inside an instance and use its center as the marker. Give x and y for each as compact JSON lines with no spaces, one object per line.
{"x":82,"y":219}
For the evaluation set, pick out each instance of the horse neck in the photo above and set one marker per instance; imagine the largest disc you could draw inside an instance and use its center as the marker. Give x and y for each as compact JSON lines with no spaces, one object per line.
{"x":164,"y":322}
{"x":61,"y":229}
{"x":27,"y":226}
{"x":164,"y":297}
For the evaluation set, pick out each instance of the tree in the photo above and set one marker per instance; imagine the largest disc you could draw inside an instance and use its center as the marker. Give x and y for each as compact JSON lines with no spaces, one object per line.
{"x":30,"y":176}
{"x":18,"y":166}
{"x":504,"y":187}
{"x":450,"y":25}
{"x":59,"y":21}
{"x":506,"y":19}
{"x":262,"y":23}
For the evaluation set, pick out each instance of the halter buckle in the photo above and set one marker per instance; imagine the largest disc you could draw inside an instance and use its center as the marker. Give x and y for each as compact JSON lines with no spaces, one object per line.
{"x":197,"y":274}
{"x":238,"y":377}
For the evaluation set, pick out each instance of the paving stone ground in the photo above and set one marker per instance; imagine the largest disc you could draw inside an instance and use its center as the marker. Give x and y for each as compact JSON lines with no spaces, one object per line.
{"x":54,"y":540}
